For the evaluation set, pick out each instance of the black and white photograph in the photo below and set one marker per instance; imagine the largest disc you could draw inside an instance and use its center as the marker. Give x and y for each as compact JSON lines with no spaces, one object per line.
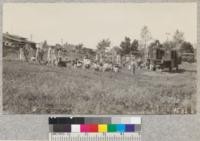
{"x":99,"y":58}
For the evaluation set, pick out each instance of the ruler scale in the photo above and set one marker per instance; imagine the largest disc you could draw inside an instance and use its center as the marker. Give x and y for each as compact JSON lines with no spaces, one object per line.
{"x":95,"y":129}
{"x":95,"y":137}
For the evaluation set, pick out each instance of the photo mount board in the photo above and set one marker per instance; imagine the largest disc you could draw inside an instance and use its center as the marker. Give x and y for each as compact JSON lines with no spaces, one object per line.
{"x":156,"y":127}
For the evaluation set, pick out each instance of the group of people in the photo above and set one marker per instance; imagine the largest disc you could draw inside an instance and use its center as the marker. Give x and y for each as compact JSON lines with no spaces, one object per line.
{"x":24,"y":53}
{"x":104,"y":66}
{"x":54,"y":58}
{"x":87,"y":63}
{"x":53,"y":55}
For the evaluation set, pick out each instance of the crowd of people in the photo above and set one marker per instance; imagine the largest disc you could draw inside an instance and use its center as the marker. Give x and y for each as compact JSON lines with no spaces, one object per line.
{"x":54,"y":57}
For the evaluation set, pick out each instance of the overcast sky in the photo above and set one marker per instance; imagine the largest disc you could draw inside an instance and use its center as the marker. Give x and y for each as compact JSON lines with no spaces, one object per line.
{"x":88,"y":23}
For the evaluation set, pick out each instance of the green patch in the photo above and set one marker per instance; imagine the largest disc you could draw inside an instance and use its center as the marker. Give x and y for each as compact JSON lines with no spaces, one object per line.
{"x":112,"y":128}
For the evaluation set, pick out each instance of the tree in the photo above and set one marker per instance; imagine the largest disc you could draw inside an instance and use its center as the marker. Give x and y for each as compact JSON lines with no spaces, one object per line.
{"x":145,"y":36}
{"x":169,"y":44}
{"x":58,"y":46}
{"x":103,"y":45}
{"x":44,"y":45}
{"x":186,"y":47}
{"x":101,"y":49}
{"x":79,"y":48}
{"x":90,"y":53}
{"x":134,"y":46}
{"x":156,"y":43}
{"x":178,"y":37}
{"x":116,"y":50}
{"x":125,"y":46}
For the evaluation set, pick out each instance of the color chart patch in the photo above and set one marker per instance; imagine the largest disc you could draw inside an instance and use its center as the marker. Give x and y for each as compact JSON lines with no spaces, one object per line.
{"x":95,"y":124}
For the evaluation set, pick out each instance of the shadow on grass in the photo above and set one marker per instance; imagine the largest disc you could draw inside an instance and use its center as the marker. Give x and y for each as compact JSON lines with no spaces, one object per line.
{"x":180,"y":71}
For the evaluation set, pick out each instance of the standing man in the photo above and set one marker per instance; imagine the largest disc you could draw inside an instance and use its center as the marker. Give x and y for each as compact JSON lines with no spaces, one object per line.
{"x":133,"y":66}
{"x":118,"y":60}
{"x":54,"y":57}
{"x":26,"y":52}
{"x":38,"y":54}
{"x":21,"y":54}
{"x":49,"y":55}
{"x":59,"y":55}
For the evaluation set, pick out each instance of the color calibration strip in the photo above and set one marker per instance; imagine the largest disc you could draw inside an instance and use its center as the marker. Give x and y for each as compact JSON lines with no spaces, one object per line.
{"x":95,"y":129}
{"x":95,"y":125}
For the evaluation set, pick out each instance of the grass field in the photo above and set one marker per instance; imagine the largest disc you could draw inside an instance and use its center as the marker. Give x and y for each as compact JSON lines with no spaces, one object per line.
{"x":32,"y":88}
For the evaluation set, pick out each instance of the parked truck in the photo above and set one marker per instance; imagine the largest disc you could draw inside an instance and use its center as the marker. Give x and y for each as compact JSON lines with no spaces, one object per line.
{"x":161,"y":58}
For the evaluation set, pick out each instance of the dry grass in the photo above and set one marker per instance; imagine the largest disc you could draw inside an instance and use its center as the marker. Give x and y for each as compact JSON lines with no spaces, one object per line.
{"x":32,"y":88}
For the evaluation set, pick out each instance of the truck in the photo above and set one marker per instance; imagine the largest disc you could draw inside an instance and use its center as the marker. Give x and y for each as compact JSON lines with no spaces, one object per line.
{"x":161,"y":58}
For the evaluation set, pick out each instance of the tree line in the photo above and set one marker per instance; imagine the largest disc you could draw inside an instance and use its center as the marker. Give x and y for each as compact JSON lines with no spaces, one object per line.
{"x":128,"y":46}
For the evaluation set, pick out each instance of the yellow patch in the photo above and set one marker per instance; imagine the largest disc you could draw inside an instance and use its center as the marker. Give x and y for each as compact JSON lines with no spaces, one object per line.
{"x":102,"y":127}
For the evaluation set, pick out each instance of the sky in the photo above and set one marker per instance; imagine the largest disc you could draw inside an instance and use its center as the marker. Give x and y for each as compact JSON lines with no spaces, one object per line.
{"x":88,"y":23}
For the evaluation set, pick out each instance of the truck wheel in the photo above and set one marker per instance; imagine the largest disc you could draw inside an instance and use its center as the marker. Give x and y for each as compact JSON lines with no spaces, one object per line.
{"x":170,"y":66}
{"x":170,"y":69}
{"x":177,"y":68}
{"x":154,"y":68}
